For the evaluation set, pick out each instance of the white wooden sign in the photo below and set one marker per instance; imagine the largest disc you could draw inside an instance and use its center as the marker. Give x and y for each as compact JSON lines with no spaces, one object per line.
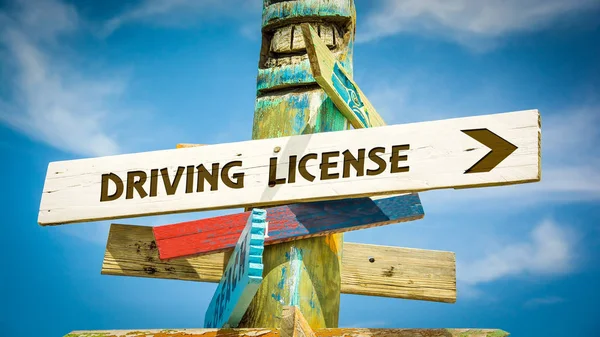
{"x":479,"y":151}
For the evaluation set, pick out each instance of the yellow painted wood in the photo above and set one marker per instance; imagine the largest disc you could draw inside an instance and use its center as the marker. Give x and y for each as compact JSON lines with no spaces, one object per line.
{"x":185,"y":146}
{"x":370,"y":270}
{"x":340,"y":332}
{"x":304,"y":273}
{"x":322,"y":63}
{"x":294,"y":324}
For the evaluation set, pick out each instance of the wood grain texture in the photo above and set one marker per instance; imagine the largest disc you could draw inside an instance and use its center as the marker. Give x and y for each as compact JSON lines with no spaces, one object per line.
{"x":395,"y":272}
{"x":353,"y":332}
{"x":177,"y":333}
{"x":408,"y":273}
{"x":289,"y":39}
{"x":338,"y":84}
{"x":286,"y":223}
{"x":339,"y":332}
{"x":294,"y":324}
{"x":241,"y":276}
{"x":438,"y":154}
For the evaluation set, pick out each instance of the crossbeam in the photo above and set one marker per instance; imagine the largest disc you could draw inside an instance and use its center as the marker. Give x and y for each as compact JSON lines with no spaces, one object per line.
{"x":407,"y":273}
{"x":286,"y":223}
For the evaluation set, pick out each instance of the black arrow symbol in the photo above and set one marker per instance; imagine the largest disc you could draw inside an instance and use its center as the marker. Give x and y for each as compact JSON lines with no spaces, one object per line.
{"x":500,"y":149}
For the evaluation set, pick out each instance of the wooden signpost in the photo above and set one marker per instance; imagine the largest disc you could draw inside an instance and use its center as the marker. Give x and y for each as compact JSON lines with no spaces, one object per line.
{"x":281,"y":270}
{"x":334,"y":165}
{"x":241,"y":277}
{"x":286,"y":223}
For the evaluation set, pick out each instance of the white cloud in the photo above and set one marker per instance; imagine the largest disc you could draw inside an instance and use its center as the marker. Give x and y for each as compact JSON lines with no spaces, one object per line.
{"x":570,"y":157}
{"x":92,"y":232}
{"x":45,"y":19}
{"x":536,"y":302}
{"x":50,"y":100}
{"x":466,"y":20}
{"x":391,"y":101}
{"x":179,"y":12}
{"x":549,"y":251}
{"x":570,"y":169}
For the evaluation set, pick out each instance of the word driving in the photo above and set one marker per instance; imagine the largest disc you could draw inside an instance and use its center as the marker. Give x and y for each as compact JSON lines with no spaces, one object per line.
{"x":329,"y":165}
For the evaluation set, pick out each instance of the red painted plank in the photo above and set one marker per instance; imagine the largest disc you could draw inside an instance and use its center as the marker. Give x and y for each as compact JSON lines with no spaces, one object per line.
{"x":285,"y":223}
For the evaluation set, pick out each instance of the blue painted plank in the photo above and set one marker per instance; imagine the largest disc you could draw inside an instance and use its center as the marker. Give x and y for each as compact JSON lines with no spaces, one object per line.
{"x":242,"y":276}
{"x":288,"y":222}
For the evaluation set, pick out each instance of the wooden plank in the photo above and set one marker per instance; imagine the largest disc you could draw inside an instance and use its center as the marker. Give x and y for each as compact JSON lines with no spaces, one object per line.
{"x":338,"y":84}
{"x":358,"y":332}
{"x":293,"y":324}
{"x":241,"y":276}
{"x":325,"y":166}
{"x":286,"y":223}
{"x":394,"y":272}
{"x":248,"y":332}
{"x":408,"y":273}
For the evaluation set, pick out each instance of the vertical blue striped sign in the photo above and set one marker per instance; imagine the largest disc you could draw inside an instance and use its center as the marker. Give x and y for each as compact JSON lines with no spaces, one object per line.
{"x":242,"y":276}
{"x":347,"y":91}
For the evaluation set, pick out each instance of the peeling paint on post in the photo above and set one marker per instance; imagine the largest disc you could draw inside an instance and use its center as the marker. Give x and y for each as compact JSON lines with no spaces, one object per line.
{"x":290,"y":102}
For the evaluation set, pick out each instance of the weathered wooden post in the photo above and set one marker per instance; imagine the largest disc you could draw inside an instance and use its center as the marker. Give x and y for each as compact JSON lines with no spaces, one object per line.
{"x":303,"y":273}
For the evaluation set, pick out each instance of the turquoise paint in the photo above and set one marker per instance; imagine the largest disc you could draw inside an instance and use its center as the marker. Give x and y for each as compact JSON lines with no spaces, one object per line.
{"x":286,"y":10}
{"x":285,"y":76}
{"x":281,"y":283}
{"x":279,"y":114}
{"x":242,"y":276}
{"x":347,"y":91}
{"x":293,"y":74}
{"x":295,"y":264}
{"x":301,"y":103}
{"x":300,"y":73}
{"x":334,"y":121}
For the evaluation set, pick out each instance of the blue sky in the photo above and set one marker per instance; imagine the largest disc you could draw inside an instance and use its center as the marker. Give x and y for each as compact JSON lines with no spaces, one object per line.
{"x":88,"y":78}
